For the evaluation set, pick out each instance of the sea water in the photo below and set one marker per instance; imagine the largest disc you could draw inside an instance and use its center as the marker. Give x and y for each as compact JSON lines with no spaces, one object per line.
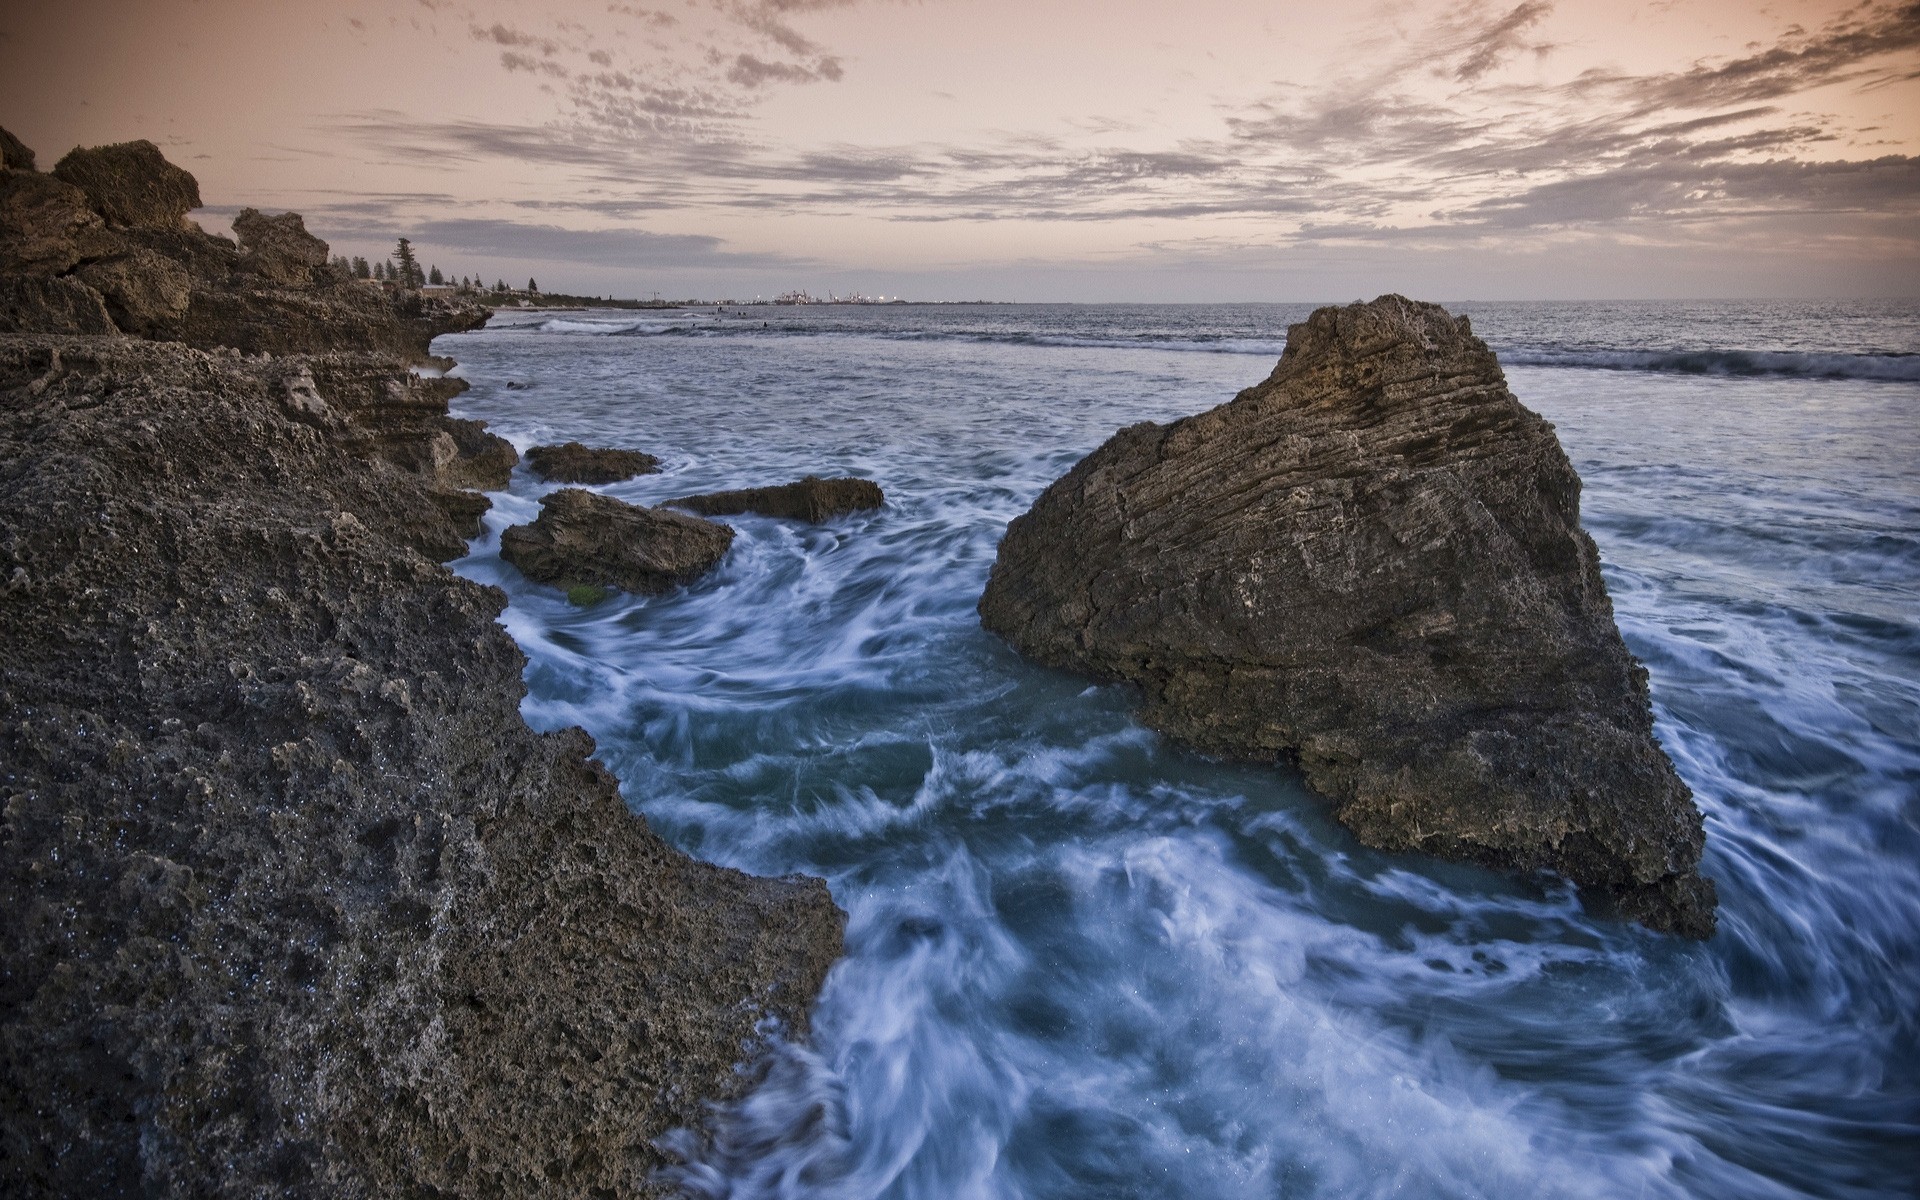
{"x":1085,"y":962}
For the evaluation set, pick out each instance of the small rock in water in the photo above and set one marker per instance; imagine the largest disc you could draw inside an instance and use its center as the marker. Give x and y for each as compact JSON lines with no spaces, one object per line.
{"x":573,"y":462}
{"x":584,"y":538}
{"x":1372,"y":564}
{"x":810,"y":499}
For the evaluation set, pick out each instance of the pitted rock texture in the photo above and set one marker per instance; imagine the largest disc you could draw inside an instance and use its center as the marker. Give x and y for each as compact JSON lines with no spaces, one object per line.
{"x":278,"y":248}
{"x":131,"y":184}
{"x":1372,"y":564}
{"x":810,"y":499}
{"x":295,"y":903}
{"x":572,"y":462}
{"x":582,"y":537}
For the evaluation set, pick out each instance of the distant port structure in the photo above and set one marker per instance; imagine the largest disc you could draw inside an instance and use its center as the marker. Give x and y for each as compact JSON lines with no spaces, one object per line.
{"x":804,"y":297}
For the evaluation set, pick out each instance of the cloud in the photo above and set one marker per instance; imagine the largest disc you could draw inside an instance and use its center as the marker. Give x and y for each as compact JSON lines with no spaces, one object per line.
{"x":599,"y":247}
{"x":1488,"y":46}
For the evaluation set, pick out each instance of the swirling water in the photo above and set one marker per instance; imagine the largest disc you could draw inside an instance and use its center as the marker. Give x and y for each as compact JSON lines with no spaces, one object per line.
{"x":1082,"y":962}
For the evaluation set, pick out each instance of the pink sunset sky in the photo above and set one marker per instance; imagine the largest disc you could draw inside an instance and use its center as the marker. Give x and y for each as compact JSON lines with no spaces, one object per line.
{"x":1031,"y":149}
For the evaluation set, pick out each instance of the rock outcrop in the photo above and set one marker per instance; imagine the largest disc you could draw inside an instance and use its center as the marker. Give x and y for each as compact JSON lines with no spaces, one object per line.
{"x":572,"y":462}
{"x":582,"y":537}
{"x":295,"y":902}
{"x":112,"y":220}
{"x":1372,"y":564}
{"x":810,"y":499}
{"x":14,"y":153}
{"x":131,"y":184}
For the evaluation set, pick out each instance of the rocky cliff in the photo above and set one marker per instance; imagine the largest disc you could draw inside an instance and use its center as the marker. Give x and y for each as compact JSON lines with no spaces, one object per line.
{"x":296,"y":903}
{"x":1372,"y":565}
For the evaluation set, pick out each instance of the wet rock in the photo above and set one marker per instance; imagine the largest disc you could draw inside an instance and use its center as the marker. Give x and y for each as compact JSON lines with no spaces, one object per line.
{"x":295,"y":902}
{"x":278,"y":248}
{"x":43,"y":304}
{"x":809,"y":499}
{"x":575,"y":463}
{"x":46,"y":226}
{"x":1372,"y":564}
{"x":481,"y":459}
{"x":583,"y":537}
{"x":14,"y":154}
{"x":147,"y":293}
{"x":131,"y":184}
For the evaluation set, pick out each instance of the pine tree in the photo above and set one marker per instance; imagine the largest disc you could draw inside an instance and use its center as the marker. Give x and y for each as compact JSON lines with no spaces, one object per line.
{"x":435,"y":278}
{"x":360,"y":268}
{"x":533,"y":287}
{"x":500,"y":285}
{"x":380,"y":272}
{"x":409,"y":265}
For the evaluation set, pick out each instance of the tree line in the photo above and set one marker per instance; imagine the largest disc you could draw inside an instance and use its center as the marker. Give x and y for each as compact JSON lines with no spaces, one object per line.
{"x":402,"y":268}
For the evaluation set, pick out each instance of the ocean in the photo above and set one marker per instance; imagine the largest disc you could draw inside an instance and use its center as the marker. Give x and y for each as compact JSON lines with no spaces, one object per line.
{"x":1084,"y":962}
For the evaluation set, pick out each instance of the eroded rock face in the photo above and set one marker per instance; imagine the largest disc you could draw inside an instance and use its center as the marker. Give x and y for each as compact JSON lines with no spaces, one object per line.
{"x":278,"y":248}
{"x":51,"y":304}
{"x":1372,"y":564}
{"x":573,"y":462}
{"x":145,"y":292}
{"x":131,"y":184}
{"x":46,"y":226}
{"x":295,"y":902}
{"x":583,"y":537}
{"x":481,"y":459}
{"x":809,"y":499}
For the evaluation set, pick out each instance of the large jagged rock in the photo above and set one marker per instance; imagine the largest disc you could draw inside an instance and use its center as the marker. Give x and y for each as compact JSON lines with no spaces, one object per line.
{"x":342,"y":316}
{"x":146,"y":293}
{"x":582,"y":537}
{"x":481,"y":459}
{"x":810,"y":499}
{"x":278,"y":248}
{"x":14,"y":153}
{"x":1372,"y":563}
{"x":295,"y":902}
{"x":572,"y":462}
{"x":46,"y":226}
{"x":131,"y":184}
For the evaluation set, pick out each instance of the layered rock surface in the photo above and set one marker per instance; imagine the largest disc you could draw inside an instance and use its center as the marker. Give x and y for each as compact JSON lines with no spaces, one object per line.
{"x":1372,"y":564}
{"x":573,"y":462}
{"x":809,"y":499}
{"x":296,"y":903}
{"x":582,"y":537}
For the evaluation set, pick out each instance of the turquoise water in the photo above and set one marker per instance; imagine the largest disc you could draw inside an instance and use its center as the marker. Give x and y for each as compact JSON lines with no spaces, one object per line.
{"x":1084,"y":962}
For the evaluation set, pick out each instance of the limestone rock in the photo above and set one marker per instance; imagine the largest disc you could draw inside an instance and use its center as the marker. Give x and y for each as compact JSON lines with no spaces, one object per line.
{"x":146,"y":292}
{"x":809,"y":499}
{"x":131,"y":184}
{"x":46,"y":226}
{"x":576,"y":463}
{"x":278,"y":248}
{"x":295,"y":903}
{"x":582,"y":537}
{"x":1372,"y":564}
{"x":14,"y":153}
{"x":57,"y":304}
{"x":481,"y":459}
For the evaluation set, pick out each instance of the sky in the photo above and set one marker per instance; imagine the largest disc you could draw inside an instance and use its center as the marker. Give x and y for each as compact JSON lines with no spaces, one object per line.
{"x":1119,"y":150}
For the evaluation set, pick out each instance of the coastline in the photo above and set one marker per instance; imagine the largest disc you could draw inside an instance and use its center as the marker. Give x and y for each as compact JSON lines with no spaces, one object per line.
{"x":298,"y":902}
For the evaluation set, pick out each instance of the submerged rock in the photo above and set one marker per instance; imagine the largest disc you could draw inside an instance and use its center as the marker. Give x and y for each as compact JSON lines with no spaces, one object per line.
{"x":583,"y":537}
{"x":131,"y":184}
{"x":1372,"y":564}
{"x":810,"y":499}
{"x":573,"y":462}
